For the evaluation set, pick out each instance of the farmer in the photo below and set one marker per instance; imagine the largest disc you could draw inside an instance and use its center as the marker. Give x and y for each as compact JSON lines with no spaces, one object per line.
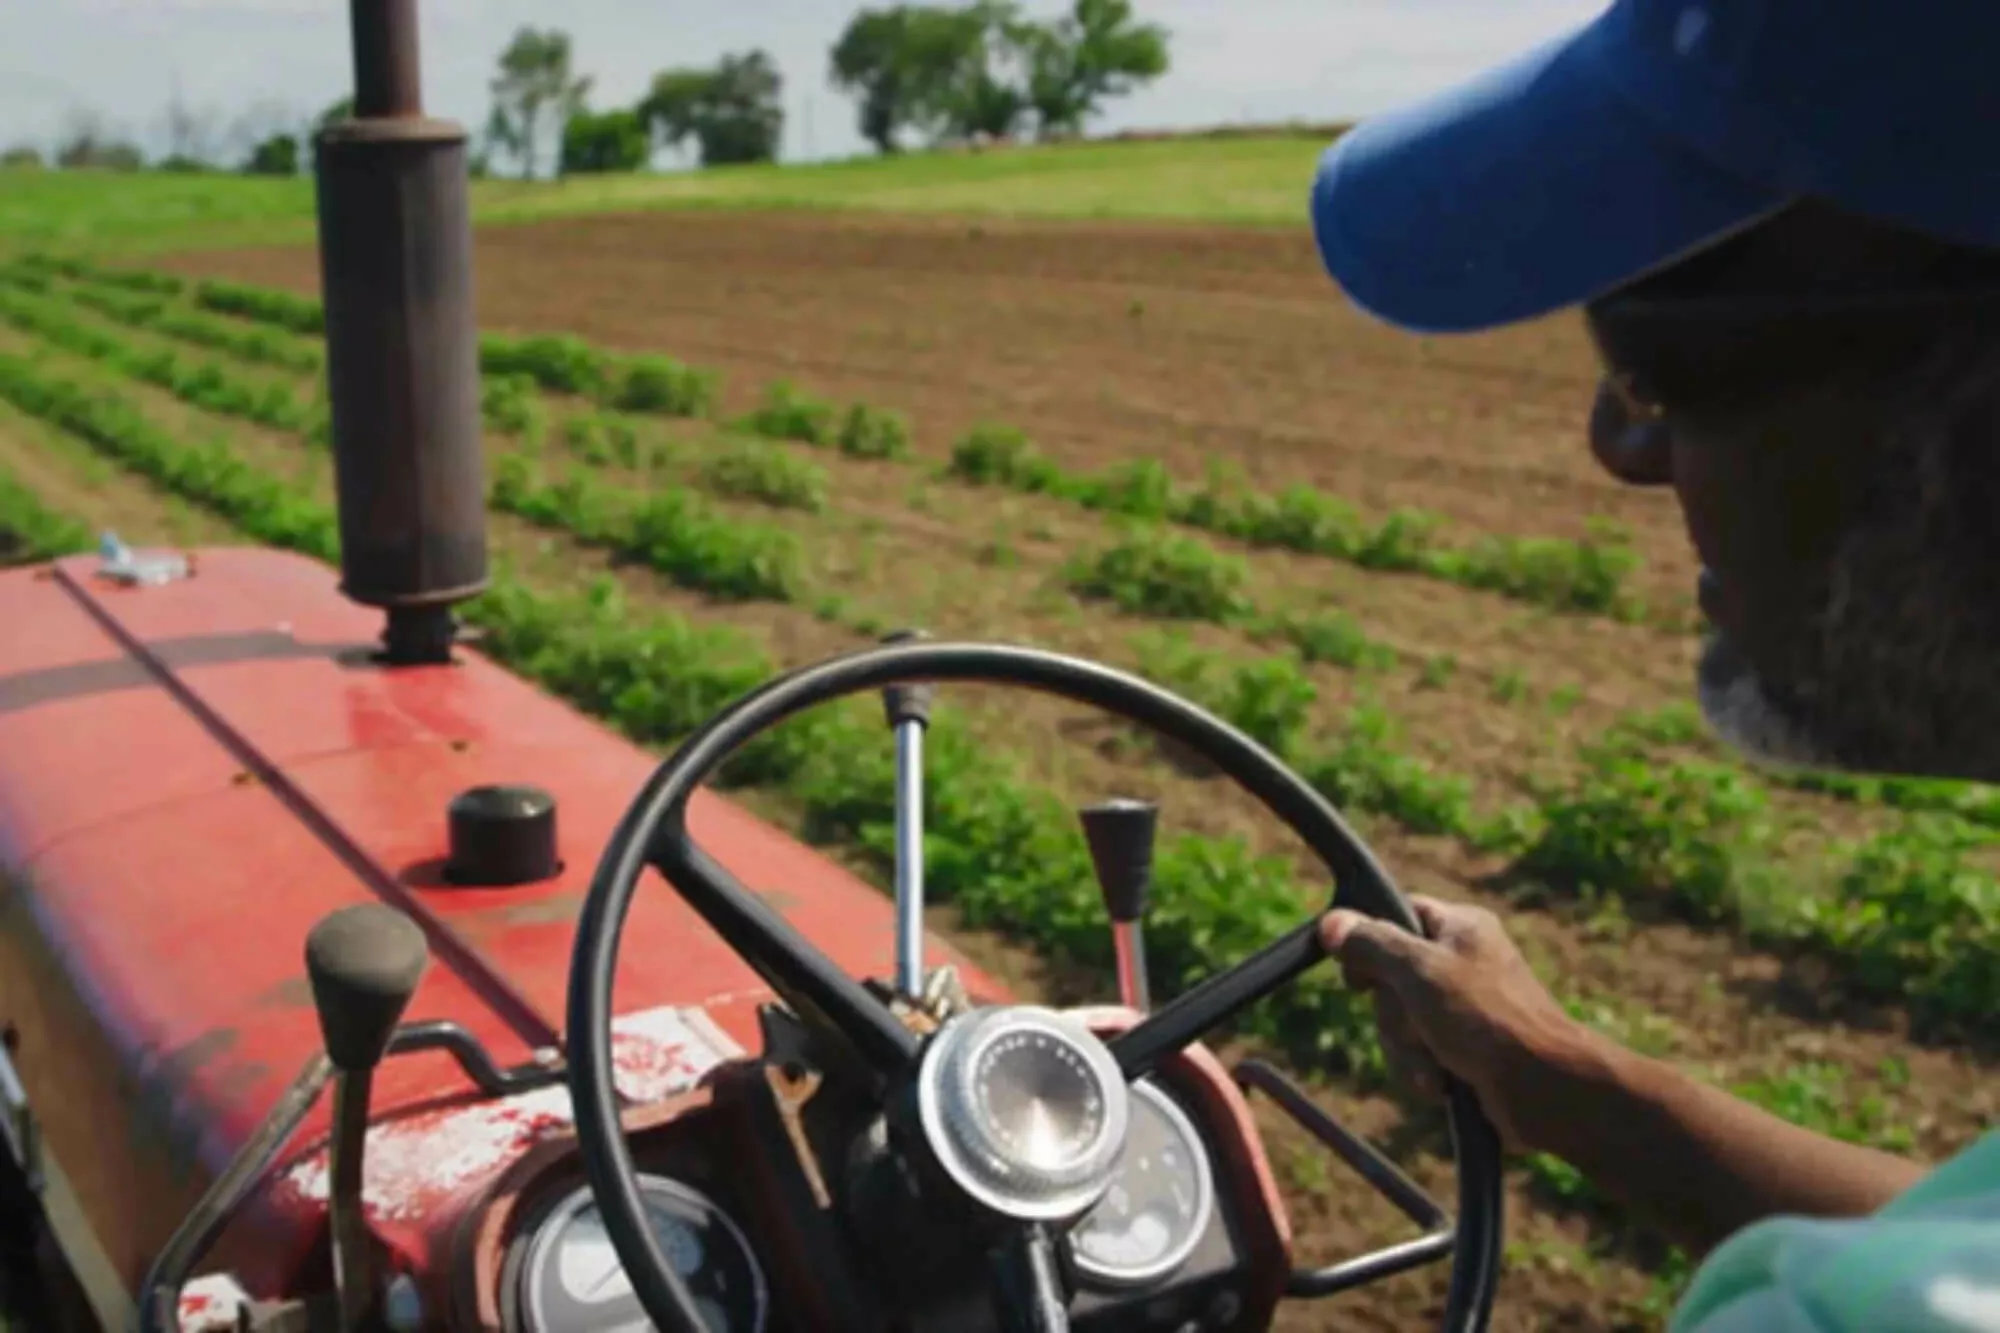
{"x":1782,"y":221}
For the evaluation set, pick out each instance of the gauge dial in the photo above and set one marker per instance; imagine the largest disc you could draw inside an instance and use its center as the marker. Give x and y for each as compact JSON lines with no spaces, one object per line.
{"x":1159,"y":1203}
{"x":572,"y":1281}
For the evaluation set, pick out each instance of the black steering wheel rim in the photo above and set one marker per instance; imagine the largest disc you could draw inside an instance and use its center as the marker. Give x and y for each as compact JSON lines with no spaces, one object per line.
{"x":1360,"y":883}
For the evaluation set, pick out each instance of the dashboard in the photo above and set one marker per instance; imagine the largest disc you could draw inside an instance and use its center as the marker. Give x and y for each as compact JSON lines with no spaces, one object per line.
{"x":744,"y":1194}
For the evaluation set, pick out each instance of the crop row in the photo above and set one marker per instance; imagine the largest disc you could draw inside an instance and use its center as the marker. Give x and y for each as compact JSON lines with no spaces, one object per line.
{"x":1158,"y":572}
{"x":1588,"y":576}
{"x":1153,"y":572}
{"x":203,"y":384}
{"x":29,"y":531}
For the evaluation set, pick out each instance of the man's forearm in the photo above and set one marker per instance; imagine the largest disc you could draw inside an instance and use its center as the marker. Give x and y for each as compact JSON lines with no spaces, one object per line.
{"x":1698,"y":1161}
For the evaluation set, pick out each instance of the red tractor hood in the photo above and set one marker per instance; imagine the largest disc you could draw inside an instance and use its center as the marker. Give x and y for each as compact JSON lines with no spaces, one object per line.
{"x":193,"y":774}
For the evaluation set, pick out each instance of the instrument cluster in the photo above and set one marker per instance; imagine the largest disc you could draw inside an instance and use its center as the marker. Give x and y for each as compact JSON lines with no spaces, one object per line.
{"x":1159,"y":1249}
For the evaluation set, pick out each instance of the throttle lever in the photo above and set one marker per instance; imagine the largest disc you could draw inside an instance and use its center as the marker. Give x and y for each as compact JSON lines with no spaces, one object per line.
{"x":1121,"y":833}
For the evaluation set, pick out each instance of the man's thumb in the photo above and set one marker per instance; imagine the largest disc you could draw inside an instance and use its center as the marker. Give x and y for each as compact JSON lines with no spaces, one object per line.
{"x":1370,"y":949}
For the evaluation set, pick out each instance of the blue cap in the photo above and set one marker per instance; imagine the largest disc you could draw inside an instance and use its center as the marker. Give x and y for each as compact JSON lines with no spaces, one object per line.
{"x":1652,"y":132}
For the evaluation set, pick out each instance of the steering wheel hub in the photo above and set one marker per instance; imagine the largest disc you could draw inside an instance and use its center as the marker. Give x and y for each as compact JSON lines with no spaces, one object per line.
{"x":1025,"y":1109}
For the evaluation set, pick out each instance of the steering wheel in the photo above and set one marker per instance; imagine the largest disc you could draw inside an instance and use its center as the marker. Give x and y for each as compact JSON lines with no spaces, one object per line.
{"x":1024,"y":1188}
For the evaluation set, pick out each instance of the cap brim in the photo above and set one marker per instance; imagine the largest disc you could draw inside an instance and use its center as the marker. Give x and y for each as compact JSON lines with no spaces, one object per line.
{"x":1531,"y":188}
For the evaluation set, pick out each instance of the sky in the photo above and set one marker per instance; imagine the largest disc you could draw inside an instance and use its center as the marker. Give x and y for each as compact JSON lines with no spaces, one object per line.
{"x":241,"y":64}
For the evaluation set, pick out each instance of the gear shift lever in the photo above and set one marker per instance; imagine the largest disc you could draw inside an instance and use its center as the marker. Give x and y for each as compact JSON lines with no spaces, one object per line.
{"x":364,"y":963}
{"x":1120,"y":833}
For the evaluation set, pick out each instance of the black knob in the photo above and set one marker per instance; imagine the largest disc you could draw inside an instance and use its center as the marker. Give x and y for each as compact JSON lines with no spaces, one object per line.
{"x":907,"y":703}
{"x":502,"y":836}
{"x":364,"y":963}
{"x":1120,"y":834}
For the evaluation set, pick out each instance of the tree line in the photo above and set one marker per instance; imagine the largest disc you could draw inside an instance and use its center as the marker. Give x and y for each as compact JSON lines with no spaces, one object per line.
{"x":924,"y":74}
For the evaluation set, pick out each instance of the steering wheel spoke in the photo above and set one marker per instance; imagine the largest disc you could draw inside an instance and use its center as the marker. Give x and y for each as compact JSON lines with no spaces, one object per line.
{"x":1139,"y":1049}
{"x":785,"y":959}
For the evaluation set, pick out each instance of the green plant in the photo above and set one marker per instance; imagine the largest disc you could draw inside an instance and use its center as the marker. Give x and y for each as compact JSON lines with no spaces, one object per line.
{"x":560,"y":362}
{"x":788,"y":413}
{"x":767,"y":474}
{"x":872,"y":432}
{"x":1690,"y":834}
{"x":1269,"y":699}
{"x":1335,"y":638}
{"x":1159,"y":573}
{"x":1364,"y":769}
{"x":995,"y":455}
{"x":509,"y":405}
{"x":29,"y":531}
{"x":300,"y":314}
{"x":664,"y":386}
{"x":1437,"y":672}
{"x":670,"y":530}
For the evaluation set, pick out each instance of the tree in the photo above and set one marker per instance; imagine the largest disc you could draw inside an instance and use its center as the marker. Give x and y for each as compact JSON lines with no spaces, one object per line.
{"x":606,"y":141}
{"x":871,"y":59}
{"x":940,"y":72}
{"x":534,"y":86}
{"x":734,"y":112}
{"x":21,"y":155}
{"x":981,"y":69}
{"x":87,"y":143}
{"x":277,"y":155}
{"x":1098,"y":50}
{"x":963,"y":58}
{"x":193,"y":135}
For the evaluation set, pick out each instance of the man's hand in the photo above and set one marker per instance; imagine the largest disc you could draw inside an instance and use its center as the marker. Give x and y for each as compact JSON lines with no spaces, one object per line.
{"x":1464,"y":1000}
{"x":1701,"y":1162}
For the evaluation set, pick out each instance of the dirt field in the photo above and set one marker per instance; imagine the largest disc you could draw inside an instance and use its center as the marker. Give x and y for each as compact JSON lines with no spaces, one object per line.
{"x":1195,"y":346}
{"x":1104,"y":343}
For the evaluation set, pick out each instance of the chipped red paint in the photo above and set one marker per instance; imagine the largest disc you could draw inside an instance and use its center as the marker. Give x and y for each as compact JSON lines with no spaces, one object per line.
{"x":430,"y":1163}
{"x":174,"y":896}
{"x":209,"y":1304}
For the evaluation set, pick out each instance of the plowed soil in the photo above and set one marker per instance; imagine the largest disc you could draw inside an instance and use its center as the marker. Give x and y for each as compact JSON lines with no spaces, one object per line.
{"x":1105,"y":343}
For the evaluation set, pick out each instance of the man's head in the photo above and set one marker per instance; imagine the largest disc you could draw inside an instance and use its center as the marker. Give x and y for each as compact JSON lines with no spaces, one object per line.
{"x":1800,"y":331}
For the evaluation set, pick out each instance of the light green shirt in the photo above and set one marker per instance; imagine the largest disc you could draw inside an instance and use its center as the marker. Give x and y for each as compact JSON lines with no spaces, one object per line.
{"x":1928,"y":1262}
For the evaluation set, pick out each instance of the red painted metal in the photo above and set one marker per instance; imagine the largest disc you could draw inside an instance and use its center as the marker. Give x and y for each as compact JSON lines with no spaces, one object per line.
{"x":192,"y":775}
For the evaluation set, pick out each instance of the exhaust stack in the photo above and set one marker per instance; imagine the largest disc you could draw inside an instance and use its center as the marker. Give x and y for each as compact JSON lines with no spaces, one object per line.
{"x":395,"y":240}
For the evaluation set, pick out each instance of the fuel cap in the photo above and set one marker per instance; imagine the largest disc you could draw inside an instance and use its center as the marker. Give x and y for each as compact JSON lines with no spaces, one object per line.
{"x":502,"y":835}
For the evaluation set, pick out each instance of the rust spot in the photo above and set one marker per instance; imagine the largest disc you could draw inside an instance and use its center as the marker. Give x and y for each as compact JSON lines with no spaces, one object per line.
{"x":541,"y":911}
{"x":780,"y":901}
{"x":291,"y":993}
{"x":242,"y":778}
{"x":460,"y":747}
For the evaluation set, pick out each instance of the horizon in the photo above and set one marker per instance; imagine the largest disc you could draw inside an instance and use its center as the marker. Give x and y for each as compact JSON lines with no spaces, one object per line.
{"x":240,"y":64}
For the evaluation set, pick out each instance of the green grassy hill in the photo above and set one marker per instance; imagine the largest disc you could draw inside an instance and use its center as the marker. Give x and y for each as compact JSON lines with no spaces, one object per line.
{"x":1259,"y":181}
